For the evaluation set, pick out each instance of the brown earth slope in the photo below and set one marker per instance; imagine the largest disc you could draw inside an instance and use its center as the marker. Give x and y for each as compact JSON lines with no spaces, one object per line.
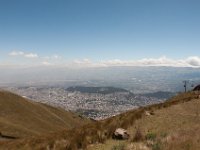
{"x":172,"y":125}
{"x":20,"y":117}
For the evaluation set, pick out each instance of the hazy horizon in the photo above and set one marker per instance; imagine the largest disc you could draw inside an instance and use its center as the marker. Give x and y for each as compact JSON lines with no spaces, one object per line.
{"x":129,"y":44}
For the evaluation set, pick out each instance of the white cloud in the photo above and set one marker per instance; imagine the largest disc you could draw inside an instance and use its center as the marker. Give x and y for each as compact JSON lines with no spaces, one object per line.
{"x":53,"y":57}
{"x":31,"y":55}
{"x":193,"y":61}
{"x":23,"y":54}
{"x":83,"y":61}
{"x":16,"y":53}
{"x":46,"y":63}
{"x":162,"y":61}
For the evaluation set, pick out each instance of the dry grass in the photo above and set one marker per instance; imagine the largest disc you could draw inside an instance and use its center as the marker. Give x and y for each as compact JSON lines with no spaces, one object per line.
{"x":138,"y":136}
{"x":179,"y":114}
{"x":188,"y":139}
{"x":24,"y":118}
{"x":172,"y":128}
{"x":100,"y":132}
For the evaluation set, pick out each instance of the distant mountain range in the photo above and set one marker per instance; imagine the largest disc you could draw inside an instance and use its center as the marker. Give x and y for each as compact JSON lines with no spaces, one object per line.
{"x":160,"y":95}
{"x":109,"y":90}
{"x":99,"y":90}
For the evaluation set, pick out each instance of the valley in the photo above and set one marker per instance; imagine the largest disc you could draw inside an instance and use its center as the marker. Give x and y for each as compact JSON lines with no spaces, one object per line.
{"x":90,"y":102}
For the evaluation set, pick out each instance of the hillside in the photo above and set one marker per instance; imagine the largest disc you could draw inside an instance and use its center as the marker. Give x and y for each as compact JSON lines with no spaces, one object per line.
{"x":172,"y":125}
{"x":20,"y":117}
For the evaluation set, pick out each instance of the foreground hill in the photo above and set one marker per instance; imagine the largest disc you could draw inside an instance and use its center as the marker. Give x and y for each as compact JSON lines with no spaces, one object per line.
{"x":168,"y":126}
{"x":172,"y":125}
{"x":20,"y":117}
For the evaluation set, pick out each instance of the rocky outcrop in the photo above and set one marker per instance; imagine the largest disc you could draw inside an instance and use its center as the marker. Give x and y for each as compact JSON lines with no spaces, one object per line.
{"x":120,"y":134}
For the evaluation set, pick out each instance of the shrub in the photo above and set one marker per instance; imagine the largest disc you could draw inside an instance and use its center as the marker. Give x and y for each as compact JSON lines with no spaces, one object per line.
{"x":150,"y":136}
{"x":156,"y":146}
{"x":163,"y":134}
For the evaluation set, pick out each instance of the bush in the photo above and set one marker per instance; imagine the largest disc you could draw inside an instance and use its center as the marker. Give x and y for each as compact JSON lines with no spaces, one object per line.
{"x":163,"y":134}
{"x":156,"y":146}
{"x":151,"y":136}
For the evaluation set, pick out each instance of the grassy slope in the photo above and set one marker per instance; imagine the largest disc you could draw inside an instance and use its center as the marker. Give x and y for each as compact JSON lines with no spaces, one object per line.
{"x":172,"y":128}
{"x":21,"y":118}
{"x":175,"y":125}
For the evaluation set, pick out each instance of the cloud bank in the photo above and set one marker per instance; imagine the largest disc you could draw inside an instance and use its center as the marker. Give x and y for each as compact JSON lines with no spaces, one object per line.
{"x":56,"y":60}
{"x":193,"y":61}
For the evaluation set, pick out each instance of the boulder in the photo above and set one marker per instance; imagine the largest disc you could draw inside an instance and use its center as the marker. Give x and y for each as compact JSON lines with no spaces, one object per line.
{"x":149,"y":113}
{"x":120,"y":134}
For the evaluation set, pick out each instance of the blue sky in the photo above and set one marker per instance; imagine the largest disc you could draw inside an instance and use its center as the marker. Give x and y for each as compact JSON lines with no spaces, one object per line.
{"x":98,"y":30}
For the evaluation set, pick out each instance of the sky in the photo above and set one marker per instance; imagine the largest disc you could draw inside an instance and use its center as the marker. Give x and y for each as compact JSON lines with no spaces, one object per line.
{"x":100,"y":32}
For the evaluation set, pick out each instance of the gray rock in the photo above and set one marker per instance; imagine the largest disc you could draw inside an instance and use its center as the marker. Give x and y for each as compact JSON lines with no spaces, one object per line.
{"x":120,"y":134}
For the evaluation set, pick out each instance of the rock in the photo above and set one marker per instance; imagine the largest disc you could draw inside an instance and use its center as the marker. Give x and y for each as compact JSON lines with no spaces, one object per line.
{"x":147,"y":113}
{"x":120,"y":134}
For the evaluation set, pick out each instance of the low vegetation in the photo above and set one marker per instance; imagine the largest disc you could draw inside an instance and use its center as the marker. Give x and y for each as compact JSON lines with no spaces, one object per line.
{"x":150,"y":136}
{"x":155,"y":130}
{"x":119,"y":147}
